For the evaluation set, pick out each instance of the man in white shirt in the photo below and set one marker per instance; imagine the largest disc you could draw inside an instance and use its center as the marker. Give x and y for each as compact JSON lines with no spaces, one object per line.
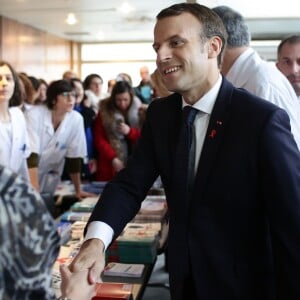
{"x":244,"y":68}
{"x":288,"y":60}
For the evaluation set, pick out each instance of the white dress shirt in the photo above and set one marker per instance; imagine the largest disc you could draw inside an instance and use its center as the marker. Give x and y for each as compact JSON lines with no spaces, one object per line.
{"x":205,"y":106}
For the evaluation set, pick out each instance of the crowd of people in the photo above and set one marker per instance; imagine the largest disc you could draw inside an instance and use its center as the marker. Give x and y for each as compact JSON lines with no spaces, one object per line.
{"x":67,"y":128}
{"x":234,"y":232}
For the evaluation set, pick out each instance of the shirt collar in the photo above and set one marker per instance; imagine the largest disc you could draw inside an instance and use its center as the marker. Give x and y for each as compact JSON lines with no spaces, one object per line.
{"x":207,"y":101}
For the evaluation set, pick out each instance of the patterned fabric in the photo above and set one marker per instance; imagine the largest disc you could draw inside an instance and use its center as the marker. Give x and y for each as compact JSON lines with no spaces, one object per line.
{"x":29,"y":242}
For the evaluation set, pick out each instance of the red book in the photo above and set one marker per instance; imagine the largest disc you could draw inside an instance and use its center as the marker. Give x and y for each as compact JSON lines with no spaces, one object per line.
{"x":113,"y":291}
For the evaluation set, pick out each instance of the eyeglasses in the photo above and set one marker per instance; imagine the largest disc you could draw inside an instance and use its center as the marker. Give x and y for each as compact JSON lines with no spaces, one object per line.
{"x":68,"y":94}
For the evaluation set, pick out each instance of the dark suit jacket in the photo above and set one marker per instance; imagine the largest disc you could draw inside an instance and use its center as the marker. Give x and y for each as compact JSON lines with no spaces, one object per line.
{"x":239,"y":235}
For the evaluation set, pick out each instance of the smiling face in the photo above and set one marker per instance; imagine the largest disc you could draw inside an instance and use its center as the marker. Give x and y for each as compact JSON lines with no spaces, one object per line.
{"x":289,"y":64}
{"x":183,"y":57}
{"x":7,"y":84}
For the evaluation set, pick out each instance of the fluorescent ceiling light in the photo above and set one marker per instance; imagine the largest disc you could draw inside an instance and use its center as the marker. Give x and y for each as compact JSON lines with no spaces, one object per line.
{"x":126,"y":8}
{"x":71,"y":19}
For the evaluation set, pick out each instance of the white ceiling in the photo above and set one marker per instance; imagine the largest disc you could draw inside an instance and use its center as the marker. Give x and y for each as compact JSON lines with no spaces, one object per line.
{"x":101,"y":20}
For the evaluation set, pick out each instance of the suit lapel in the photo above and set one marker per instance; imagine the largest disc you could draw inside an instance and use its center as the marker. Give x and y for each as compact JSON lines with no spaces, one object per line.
{"x":214,"y":134}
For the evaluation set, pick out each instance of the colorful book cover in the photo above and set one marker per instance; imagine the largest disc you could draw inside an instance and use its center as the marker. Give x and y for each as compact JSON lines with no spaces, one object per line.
{"x":113,"y":291}
{"x":73,"y":216}
{"x":82,"y":207}
{"x":124,"y":270}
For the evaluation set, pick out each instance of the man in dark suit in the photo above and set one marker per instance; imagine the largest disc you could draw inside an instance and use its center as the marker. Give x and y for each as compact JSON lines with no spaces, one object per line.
{"x":235,"y":234}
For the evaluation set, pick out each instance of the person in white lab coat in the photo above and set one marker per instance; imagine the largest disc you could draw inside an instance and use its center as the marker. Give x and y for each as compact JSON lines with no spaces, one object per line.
{"x":59,"y":138}
{"x":14,"y":148}
{"x":244,"y":68}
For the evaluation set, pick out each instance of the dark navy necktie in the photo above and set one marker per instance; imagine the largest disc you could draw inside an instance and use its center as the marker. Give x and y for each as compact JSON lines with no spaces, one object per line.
{"x":185,"y":151}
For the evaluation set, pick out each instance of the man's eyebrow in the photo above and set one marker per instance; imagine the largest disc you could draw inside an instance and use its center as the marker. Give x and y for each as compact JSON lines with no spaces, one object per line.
{"x":175,"y":36}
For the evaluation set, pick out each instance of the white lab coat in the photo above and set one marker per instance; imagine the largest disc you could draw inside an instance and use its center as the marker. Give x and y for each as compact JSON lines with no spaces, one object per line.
{"x":13,"y":153}
{"x":264,"y":80}
{"x":54,"y":146}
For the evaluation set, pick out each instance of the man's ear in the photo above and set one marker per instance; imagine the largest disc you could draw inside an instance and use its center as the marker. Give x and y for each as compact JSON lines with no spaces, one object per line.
{"x":214,"y":46}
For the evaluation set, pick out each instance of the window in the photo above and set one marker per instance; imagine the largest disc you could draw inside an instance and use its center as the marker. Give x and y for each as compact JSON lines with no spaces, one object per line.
{"x":108,"y":60}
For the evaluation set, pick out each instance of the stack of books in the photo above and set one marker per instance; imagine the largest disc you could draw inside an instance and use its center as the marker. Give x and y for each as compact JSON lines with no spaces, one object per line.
{"x":113,"y":291}
{"x":153,"y":209}
{"x":64,"y":231}
{"x":66,"y":255}
{"x":77,"y":229}
{"x":137,"y":244}
{"x":123,"y":270}
{"x":95,"y":187}
{"x":80,"y":211}
{"x":85,"y":205}
{"x":72,"y":216}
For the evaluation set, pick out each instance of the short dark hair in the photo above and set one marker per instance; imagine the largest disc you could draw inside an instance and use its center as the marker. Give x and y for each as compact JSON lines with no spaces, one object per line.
{"x":88,"y":79}
{"x":16,"y":98}
{"x":54,"y":89}
{"x":75,"y":79}
{"x":35,"y":82}
{"x":236,"y":27}
{"x":211,"y":23}
{"x":292,"y":39}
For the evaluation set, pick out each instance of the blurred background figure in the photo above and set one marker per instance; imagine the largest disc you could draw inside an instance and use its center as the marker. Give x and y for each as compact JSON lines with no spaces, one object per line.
{"x":288,"y":60}
{"x":159,"y":88}
{"x":15,"y":147}
{"x":29,"y":245}
{"x":42,"y":92}
{"x":29,"y":242}
{"x":92,"y":85}
{"x":144,"y":89}
{"x":59,"y":139}
{"x":142,"y":106}
{"x":27,"y":91}
{"x":110,"y":85}
{"x":67,"y":75}
{"x":83,"y":106}
{"x":116,"y":130}
{"x":244,"y":68}
{"x":36,"y":86}
{"x":124,"y":77}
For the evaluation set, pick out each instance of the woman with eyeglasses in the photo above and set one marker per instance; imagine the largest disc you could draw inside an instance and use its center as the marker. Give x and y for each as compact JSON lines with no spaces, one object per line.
{"x":59,"y":138}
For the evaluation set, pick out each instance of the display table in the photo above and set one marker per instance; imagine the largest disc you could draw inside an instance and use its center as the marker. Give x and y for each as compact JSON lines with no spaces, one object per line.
{"x":139,"y":284}
{"x":68,"y":251}
{"x":146,"y":214}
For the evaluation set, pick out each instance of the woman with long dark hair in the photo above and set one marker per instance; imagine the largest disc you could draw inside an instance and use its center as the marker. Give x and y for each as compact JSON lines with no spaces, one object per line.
{"x":116,"y":130}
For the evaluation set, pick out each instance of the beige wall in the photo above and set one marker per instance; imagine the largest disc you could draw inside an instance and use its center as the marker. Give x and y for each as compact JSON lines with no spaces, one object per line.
{"x":36,"y":52}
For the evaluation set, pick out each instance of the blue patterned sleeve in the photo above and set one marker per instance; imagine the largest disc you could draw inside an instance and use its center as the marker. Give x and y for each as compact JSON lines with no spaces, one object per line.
{"x":29,"y":242}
